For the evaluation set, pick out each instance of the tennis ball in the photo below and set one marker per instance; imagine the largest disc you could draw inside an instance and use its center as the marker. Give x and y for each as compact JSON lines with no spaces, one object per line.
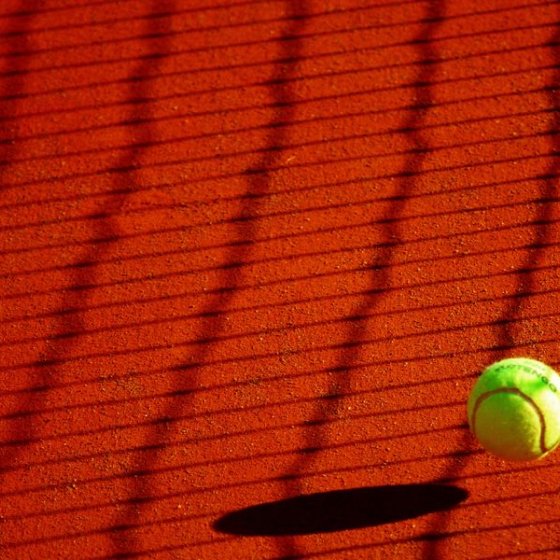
{"x":514,"y":409}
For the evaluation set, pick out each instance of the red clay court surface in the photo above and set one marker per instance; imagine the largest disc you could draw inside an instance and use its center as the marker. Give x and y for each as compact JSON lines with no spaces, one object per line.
{"x":253,"y":256}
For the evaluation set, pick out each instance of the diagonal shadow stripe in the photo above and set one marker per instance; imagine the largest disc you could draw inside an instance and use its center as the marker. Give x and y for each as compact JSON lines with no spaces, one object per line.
{"x":226,"y":89}
{"x":267,"y":105}
{"x":174,"y":252}
{"x":45,"y":369}
{"x":88,"y":4}
{"x":19,"y":41}
{"x":377,"y":26}
{"x":165,"y":319}
{"x":9,"y":140}
{"x":318,"y":143}
{"x":526,"y":284}
{"x":261,"y":84}
{"x":315,"y":439}
{"x":439,"y":171}
{"x":246,"y":64}
{"x":464,"y":329}
{"x":187,"y":375}
{"x":232,"y":132}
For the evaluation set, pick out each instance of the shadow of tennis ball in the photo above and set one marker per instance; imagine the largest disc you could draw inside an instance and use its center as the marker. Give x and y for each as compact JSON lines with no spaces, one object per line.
{"x":341,"y":510}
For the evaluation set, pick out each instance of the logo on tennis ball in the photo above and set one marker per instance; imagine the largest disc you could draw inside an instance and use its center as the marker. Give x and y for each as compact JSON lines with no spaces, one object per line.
{"x":522,"y":367}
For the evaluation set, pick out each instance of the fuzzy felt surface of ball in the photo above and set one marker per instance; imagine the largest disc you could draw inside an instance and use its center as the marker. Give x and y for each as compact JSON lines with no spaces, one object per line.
{"x":514,"y":409}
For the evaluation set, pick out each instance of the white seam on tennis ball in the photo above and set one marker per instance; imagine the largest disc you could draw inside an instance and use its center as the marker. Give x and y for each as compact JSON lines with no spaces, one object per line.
{"x":513,"y":391}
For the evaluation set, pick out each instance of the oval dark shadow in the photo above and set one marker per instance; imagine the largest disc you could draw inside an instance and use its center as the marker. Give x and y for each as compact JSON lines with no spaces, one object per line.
{"x":340,"y":510}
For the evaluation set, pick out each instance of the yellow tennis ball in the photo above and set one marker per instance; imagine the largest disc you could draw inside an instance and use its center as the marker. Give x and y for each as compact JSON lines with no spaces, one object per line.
{"x":514,"y":409}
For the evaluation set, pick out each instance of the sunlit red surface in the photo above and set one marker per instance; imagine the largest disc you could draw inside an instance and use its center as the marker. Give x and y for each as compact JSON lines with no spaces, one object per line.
{"x":258,"y":251}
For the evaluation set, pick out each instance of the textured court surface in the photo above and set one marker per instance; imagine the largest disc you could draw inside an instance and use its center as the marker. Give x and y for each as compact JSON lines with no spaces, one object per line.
{"x":253,"y":255}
